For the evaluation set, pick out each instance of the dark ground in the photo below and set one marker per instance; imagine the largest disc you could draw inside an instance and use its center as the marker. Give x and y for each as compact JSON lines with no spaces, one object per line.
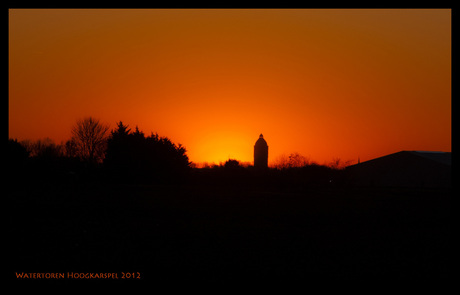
{"x":229,"y":233}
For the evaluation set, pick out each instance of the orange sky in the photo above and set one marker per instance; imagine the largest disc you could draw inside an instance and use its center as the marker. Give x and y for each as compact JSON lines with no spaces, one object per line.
{"x":323,"y":83}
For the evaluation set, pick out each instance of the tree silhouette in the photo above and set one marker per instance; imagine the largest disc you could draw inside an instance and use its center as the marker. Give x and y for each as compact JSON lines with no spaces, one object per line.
{"x":17,"y":154}
{"x":338,"y":164}
{"x":70,"y":148}
{"x":297,"y":160}
{"x":90,"y":137}
{"x":42,"y":148}
{"x":120,"y":150}
{"x":294,"y":160}
{"x":131,"y":155}
{"x":232,"y":164}
{"x":121,"y":132}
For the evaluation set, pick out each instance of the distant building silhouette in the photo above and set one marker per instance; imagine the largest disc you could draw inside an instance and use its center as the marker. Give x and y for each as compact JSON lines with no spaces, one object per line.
{"x":261,"y":153}
{"x":404,"y":169}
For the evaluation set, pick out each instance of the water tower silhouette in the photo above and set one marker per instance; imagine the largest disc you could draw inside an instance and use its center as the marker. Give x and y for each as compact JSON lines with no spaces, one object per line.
{"x":261,"y":153}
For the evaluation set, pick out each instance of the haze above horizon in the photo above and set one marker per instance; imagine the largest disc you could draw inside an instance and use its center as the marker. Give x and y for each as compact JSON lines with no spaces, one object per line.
{"x":325,"y":83}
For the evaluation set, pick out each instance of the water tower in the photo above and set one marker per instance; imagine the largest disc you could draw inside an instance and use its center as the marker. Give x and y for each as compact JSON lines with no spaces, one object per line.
{"x":261,"y":153}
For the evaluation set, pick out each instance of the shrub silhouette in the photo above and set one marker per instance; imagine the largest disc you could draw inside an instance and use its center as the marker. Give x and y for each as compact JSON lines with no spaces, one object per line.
{"x":131,"y":156}
{"x":232,"y":164}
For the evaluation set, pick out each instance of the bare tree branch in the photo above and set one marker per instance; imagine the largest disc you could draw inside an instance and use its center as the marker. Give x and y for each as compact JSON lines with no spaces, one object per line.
{"x":90,"y":137}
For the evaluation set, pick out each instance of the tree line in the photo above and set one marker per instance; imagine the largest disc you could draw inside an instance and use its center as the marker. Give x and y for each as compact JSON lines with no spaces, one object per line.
{"x":125,"y":155}
{"x":120,"y":154}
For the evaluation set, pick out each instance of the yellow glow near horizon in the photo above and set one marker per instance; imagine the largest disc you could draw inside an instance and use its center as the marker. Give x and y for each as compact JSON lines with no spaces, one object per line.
{"x":324,"y":83}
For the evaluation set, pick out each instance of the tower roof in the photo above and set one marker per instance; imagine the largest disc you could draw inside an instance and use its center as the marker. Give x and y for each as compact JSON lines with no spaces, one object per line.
{"x":261,"y":140}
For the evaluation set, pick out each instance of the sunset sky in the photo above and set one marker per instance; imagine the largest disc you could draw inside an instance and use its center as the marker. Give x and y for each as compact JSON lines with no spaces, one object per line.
{"x":324,"y":83}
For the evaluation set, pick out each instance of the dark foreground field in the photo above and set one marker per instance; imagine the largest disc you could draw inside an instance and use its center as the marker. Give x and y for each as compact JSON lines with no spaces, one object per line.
{"x":229,"y":233}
